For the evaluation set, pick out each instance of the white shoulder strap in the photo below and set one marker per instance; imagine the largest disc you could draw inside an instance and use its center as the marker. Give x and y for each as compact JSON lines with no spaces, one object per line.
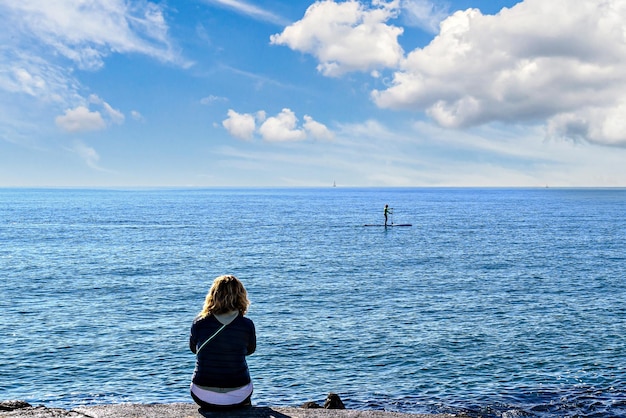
{"x":210,"y":338}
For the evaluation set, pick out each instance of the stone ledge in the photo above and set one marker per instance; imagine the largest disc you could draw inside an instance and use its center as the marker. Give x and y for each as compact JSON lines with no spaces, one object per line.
{"x":190,"y":410}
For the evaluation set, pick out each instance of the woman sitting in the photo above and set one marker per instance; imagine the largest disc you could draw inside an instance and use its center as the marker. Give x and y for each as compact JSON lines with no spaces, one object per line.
{"x":221,"y":337}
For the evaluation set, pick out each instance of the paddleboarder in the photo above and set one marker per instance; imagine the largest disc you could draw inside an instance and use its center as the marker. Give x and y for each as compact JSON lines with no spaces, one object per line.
{"x":387,"y":212}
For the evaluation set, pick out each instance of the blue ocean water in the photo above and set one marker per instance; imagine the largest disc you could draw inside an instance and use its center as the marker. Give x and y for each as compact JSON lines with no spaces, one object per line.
{"x":495,"y":303}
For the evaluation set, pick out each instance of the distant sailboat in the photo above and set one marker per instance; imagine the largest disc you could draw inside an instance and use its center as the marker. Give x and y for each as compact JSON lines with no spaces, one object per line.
{"x":334,"y":184}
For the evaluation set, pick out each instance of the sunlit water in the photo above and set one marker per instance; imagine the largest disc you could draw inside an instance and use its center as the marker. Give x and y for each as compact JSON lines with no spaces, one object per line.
{"x":494,"y":303}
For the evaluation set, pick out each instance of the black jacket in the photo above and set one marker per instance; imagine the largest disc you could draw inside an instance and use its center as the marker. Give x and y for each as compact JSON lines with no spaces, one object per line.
{"x":222,"y":362}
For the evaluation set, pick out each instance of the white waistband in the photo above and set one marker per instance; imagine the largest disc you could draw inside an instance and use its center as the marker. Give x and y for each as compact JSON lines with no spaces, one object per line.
{"x":232,"y":397}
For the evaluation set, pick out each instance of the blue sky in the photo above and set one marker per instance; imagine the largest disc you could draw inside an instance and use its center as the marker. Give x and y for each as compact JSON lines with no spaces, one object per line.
{"x":204,"y":93}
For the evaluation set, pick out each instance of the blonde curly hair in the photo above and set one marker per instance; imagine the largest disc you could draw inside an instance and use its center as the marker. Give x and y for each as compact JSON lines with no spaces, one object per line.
{"x":226,"y":294}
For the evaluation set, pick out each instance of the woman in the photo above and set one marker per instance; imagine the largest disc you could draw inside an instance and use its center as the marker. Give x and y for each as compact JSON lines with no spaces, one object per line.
{"x":221,"y":337}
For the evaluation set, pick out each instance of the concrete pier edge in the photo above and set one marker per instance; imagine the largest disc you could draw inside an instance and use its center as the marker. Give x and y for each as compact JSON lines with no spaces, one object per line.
{"x":21,"y":409}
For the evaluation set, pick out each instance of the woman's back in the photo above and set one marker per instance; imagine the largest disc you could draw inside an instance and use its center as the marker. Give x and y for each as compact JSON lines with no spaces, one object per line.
{"x":221,"y":363}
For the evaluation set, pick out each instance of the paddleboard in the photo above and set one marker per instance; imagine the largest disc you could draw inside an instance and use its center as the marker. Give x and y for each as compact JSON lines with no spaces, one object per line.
{"x":388,"y":225}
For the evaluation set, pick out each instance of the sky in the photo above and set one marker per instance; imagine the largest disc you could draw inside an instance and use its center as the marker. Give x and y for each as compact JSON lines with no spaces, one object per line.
{"x":301,"y":93}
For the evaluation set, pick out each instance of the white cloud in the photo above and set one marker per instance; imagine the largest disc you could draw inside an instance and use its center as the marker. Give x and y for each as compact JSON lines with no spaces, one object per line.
{"x":114,"y":115}
{"x":239,"y":125}
{"x":605,"y":125}
{"x":43,"y":42}
{"x":250,"y":10}
{"x":80,"y":119}
{"x":283,"y":127}
{"x":424,"y":14}
{"x":87,"y":153}
{"x":87,"y":32}
{"x":137,"y":116}
{"x":346,"y":36}
{"x":316,"y":129}
{"x":210,"y":99}
{"x":24,"y":81}
{"x":25,"y":73}
{"x":538,"y":61}
{"x":368,"y":129}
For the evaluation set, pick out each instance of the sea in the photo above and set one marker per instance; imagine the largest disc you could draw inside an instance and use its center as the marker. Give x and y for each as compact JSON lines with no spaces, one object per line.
{"x":493,"y":303}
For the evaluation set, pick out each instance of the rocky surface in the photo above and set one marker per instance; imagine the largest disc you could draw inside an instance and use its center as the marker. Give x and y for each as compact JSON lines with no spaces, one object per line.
{"x":20,"y":409}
